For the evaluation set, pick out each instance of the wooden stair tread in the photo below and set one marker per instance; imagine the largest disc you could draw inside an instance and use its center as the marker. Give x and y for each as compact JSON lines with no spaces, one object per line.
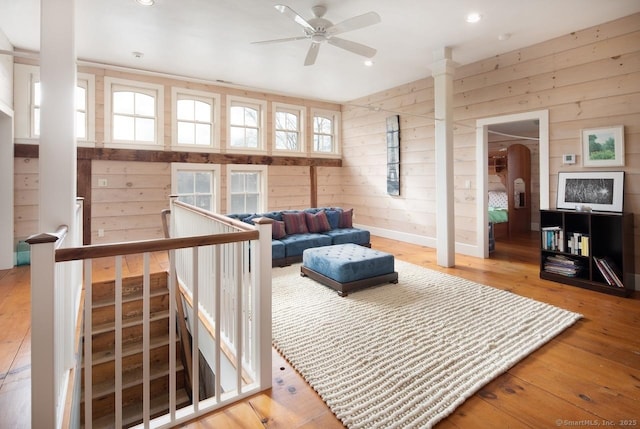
{"x":131,"y":414}
{"x":136,"y":296}
{"x":131,"y":321}
{"x":132,"y":377}
{"x":131,"y":349}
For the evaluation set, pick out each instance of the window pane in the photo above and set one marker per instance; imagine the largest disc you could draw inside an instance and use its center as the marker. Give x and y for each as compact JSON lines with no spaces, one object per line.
{"x":185,"y":110}
{"x":36,"y":121}
{"x":145,"y":129}
{"x":291,"y":122}
{"x":203,"y":182}
{"x":252,"y":138}
{"x":186,"y":182}
{"x":251,"y":203}
{"x":204,"y":202}
{"x":237,"y":182}
{"x":203,"y":134}
{"x":185,"y":132}
{"x":237,"y":137}
{"x":123,"y":127}
{"x":237,"y":115}
{"x":251,"y":182}
{"x":202,"y":111}
{"x":189,"y":199}
{"x":250,"y":117}
{"x":81,"y":97}
{"x":123,"y":102}
{"x":281,"y":140}
{"x":145,"y":105}
{"x":237,"y":204}
{"x":37,"y":93}
{"x":81,"y":128}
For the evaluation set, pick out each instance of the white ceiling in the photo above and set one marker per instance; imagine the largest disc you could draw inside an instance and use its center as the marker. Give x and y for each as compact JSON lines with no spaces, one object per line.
{"x":211,"y":39}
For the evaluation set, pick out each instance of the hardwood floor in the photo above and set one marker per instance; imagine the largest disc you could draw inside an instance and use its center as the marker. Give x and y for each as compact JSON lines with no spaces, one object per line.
{"x":589,"y":375}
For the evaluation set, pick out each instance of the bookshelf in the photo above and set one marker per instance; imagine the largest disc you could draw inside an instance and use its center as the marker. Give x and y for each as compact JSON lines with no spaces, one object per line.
{"x":592,"y":250}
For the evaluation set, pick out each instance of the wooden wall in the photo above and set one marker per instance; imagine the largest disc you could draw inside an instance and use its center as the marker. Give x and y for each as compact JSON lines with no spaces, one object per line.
{"x":589,"y":78}
{"x":134,"y":186}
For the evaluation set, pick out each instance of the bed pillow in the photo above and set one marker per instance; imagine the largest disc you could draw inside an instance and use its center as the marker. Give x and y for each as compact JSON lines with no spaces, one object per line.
{"x":295,"y":223}
{"x":317,"y":222}
{"x":498,"y":199}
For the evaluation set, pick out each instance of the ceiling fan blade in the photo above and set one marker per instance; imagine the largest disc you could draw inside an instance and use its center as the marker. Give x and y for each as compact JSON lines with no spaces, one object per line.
{"x":354,"y":47}
{"x":288,"y":39}
{"x":354,"y":23}
{"x":312,"y":54}
{"x":286,"y":10}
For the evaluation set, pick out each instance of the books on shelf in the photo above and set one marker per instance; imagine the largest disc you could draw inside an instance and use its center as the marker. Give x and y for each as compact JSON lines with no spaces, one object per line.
{"x":578,"y":244}
{"x":553,"y":238}
{"x":562,"y":265}
{"x":609,"y":271}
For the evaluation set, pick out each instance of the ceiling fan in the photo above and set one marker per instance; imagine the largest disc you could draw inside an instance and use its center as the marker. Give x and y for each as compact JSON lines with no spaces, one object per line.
{"x":321,"y":30}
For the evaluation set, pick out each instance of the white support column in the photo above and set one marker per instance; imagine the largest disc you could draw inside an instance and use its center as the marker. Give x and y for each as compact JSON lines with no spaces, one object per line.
{"x":442,"y":72}
{"x":263,"y":301}
{"x":57,"y":157}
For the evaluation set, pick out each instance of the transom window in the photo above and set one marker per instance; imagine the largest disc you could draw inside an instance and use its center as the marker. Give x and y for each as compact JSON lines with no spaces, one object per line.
{"x":195,"y":119}
{"x":288,"y":127}
{"x":245,"y":124}
{"x":247,"y":189}
{"x":325,"y":132}
{"x":133,"y":113}
{"x":134,"y":116}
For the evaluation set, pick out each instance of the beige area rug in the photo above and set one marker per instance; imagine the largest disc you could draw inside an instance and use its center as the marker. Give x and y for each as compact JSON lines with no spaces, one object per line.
{"x":405,"y":355}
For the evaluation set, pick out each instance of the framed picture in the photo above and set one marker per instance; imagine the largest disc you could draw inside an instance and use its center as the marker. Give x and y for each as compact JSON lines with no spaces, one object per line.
{"x":603,"y":147}
{"x":591,"y":190}
{"x":393,"y":155}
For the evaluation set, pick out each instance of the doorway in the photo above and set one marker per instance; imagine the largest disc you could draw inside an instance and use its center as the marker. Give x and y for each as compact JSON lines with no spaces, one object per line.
{"x":500,"y":132}
{"x":6,"y":190}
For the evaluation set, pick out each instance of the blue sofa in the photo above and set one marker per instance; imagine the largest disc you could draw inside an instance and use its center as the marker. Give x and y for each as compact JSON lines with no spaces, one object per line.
{"x":294,"y":231}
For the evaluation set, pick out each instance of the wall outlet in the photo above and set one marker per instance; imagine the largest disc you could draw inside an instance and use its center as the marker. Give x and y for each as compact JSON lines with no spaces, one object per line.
{"x":102,"y":183}
{"x":101,"y":232}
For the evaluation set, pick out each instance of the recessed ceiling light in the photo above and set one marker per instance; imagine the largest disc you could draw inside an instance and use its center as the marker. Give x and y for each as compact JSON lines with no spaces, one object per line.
{"x":145,"y":2}
{"x":368,"y":63}
{"x":137,"y":54}
{"x":474,"y":17}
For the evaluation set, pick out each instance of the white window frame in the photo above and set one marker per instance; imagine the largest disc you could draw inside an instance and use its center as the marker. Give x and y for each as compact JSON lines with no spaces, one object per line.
{"x":208,"y":97}
{"x":261,"y":105}
{"x":263,"y":188}
{"x":301,"y":113}
{"x":195,"y":167}
{"x":25,"y":76}
{"x":337,"y":125}
{"x":157,"y":91}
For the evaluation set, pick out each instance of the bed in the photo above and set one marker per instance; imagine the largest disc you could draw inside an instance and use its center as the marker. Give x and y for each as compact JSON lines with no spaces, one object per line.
{"x":498,"y":203}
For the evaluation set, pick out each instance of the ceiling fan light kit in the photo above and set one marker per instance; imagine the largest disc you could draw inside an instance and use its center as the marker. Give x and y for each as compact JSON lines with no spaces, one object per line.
{"x":320,"y":30}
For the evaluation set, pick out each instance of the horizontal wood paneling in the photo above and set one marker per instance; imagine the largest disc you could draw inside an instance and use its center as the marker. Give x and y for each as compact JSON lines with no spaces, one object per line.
{"x":25,"y":198}
{"x":588,"y":78}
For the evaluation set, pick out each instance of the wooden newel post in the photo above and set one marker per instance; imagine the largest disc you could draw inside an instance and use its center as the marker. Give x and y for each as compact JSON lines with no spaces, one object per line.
{"x":44,"y":376}
{"x":263,"y":306}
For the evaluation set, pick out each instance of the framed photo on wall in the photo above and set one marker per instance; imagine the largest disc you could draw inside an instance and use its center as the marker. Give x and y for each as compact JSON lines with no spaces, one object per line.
{"x":595,"y":190}
{"x":603,"y":147}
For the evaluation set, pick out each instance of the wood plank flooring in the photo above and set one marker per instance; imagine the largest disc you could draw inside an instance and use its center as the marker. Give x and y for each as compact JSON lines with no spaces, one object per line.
{"x":588,"y":375}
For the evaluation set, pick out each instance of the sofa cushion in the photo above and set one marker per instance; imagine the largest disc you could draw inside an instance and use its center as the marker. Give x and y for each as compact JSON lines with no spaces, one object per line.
{"x":277,"y":249}
{"x":348,"y":262}
{"x":349,"y":235}
{"x":278,"y":230}
{"x":317,"y":222}
{"x":296,"y":244}
{"x":295,"y":222}
{"x":346,"y":219}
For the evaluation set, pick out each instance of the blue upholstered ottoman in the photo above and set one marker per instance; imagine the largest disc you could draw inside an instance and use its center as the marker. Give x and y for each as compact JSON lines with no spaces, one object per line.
{"x":348,"y":267}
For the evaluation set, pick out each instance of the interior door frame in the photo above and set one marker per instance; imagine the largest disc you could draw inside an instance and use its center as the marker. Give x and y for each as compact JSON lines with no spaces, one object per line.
{"x":482,"y":170}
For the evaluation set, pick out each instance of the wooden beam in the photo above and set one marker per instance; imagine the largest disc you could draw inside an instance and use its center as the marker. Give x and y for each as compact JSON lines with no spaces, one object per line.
{"x":313,"y":179}
{"x":84,"y":191}
{"x":108,"y":154}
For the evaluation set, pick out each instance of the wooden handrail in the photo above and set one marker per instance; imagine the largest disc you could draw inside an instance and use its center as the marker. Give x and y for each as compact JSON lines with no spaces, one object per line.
{"x":156,"y":245}
{"x":218,"y":217}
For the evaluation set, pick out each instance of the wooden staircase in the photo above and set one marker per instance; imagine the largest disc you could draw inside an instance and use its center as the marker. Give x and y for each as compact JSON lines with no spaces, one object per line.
{"x":103,"y":345}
